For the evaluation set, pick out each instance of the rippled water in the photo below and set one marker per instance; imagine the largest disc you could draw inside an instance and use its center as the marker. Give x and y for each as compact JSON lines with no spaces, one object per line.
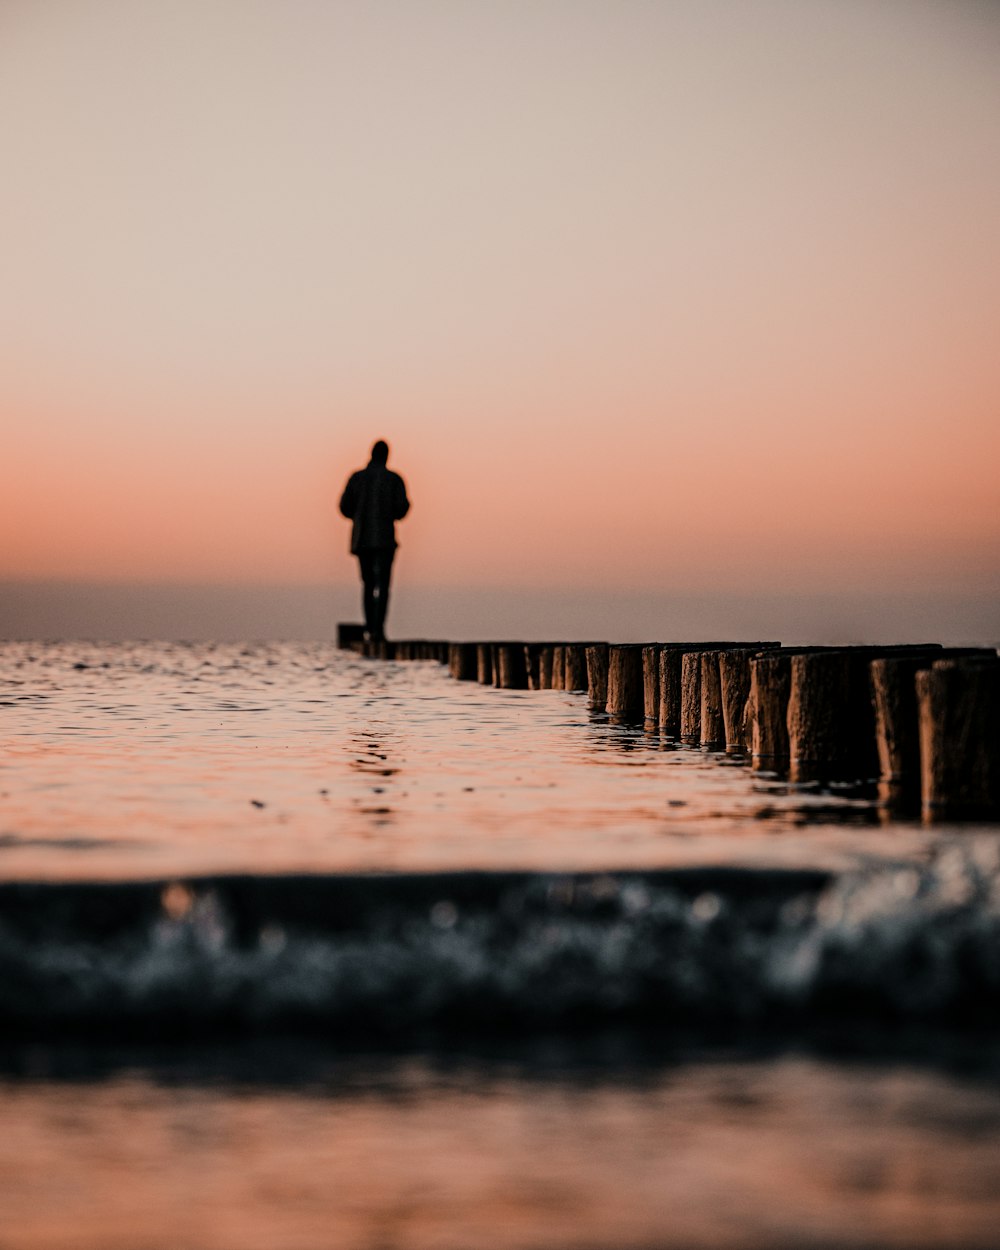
{"x":150,"y":759}
{"x":789,"y":1152}
{"x":154,"y":799}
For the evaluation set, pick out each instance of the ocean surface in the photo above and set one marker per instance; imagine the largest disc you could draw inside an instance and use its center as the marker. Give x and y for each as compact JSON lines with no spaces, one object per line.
{"x":299,"y":949}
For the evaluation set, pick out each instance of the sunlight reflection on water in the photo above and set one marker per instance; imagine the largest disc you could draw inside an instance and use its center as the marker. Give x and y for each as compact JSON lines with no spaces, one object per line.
{"x":151,"y":758}
{"x":726,"y":1153}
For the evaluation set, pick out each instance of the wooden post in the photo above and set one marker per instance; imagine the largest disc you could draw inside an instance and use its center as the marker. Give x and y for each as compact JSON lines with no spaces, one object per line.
{"x":532,"y":664}
{"x":559,"y":667}
{"x":734,"y":678}
{"x":597,"y":676}
{"x":575,"y":666}
{"x":651,"y":686}
{"x":831,"y":719}
{"x":545,"y":654}
{"x":670,"y":693}
{"x":770,"y":682}
{"x":512,"y":672}
{"x":464,"y":661}
{"x":831,"y":730}
{"x":770,"y":688}
{"x":671,"y":663}
{"x":484,"y":663}
{"x":691,"y":697}
{"x":713,"y":731}
{"x":897,"y":730}
{"x":960,"y":739}
{"x":625,"y":703}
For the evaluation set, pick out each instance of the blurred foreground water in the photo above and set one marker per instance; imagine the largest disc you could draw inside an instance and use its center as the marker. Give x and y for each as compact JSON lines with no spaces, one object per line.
{"x":250,"y":895}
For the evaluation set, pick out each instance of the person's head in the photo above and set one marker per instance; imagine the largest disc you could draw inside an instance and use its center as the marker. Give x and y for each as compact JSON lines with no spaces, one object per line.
{"x":380,"y":452}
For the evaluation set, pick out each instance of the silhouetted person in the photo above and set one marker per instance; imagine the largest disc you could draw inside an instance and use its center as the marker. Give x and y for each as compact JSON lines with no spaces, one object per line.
{"x":375,"y":499}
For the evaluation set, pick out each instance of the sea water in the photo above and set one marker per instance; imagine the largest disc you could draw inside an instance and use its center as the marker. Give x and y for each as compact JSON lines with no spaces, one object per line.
{"x":301,"y":949}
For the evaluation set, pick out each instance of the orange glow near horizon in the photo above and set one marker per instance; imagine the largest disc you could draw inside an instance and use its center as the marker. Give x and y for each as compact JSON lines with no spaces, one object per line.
{"x":582,"y":504}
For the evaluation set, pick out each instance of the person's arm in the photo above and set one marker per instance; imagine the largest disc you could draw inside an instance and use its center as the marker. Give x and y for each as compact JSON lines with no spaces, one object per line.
{"x":401,"y":505}
{"x":349,"y":499}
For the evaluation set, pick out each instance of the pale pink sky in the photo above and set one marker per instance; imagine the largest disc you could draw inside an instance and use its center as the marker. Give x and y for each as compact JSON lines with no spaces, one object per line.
{"x":700,"y":295}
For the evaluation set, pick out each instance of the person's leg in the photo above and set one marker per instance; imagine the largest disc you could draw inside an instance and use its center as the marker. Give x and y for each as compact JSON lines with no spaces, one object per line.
{"x":373,"y":624}
{"x":381,"y":573}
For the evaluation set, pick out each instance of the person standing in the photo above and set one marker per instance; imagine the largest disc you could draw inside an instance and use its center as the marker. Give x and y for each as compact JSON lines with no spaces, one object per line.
{"x":375,"y":499}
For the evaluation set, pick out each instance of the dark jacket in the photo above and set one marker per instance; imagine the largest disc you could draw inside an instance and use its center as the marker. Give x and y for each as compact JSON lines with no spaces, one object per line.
{"x":375,"y":499}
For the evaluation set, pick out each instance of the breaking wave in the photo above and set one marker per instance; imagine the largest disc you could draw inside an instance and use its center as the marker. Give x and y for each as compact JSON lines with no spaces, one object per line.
{"x":341,"y":955}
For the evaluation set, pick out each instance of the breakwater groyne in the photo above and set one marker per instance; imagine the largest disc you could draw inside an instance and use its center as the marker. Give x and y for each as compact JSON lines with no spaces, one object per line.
{"x":922,"y":722}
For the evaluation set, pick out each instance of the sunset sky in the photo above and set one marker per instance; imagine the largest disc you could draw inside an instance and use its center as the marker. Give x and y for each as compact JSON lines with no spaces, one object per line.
{"x":699,"y":297}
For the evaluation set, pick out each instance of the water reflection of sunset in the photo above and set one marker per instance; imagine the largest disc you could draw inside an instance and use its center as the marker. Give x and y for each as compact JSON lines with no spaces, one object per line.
{"x":723,"y":1153}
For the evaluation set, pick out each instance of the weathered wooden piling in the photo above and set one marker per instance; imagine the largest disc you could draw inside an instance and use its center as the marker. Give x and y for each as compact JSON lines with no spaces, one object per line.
{"x":651,"y":686}
{"x":831,"y":727}
{"x":897,"y":733}
{"x":734,"y":679}
{"x":897,"y":729}
{"x":671,"y":685}
{"x":625,"y":703}
{"x":690,"y":728}
{"x":484,"y":663}
{"x":958,"y":702}
{"x":575,"y":666}
{"x":463,"y":661}
{"x":532,"y":664}
{"x":770,"y":688}
{"x":597,"y":676}
{"x":770,"y":682}
{"x":511,"y":669}
{"x":712,"y":726}
{"x":669,"y":702}
{"x":831,"y":717}
{"x":921,"y":719}
{"x":559,"y":667}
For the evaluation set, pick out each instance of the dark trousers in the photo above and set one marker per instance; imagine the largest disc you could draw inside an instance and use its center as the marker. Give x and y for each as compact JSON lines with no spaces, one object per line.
{"x":376,"y":569}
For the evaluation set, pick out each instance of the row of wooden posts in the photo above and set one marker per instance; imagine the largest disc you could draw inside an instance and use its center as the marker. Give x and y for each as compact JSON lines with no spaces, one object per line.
{"x":923,"y":721}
